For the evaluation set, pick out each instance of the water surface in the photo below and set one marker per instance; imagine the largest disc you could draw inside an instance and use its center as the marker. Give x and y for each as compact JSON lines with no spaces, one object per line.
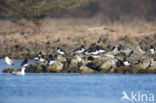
{"x":73,"y":88}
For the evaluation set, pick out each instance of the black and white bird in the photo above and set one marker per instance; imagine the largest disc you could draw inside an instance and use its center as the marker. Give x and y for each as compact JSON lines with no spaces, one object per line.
{"x":80,"y":49}
{"x":41,"y":59}
{"x":24,"y":64}
{"x":94,"y":51}
{"x":100,"y":49}
{"x":8,"y":61}
{"x":126,"y":62}
{"x":38,"y":57}
{"x":50,"y":60}
{"x":152,"y":50}
{"x":60,"y":51}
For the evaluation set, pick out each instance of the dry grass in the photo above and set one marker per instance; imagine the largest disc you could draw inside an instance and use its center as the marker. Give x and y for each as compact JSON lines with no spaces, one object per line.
{"x":70,"y":31}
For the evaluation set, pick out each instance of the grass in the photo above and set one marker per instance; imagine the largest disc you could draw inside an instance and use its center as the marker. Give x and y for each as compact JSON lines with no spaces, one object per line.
{"x":73,"y":31}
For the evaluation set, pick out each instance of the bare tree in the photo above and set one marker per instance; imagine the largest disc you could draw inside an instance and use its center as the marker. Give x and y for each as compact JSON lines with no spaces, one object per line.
{"x":36,"y":10}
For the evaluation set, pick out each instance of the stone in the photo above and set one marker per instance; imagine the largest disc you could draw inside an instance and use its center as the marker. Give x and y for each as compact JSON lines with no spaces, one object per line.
{"x":74,"y":64}
{"x":109,"y":64}
{"x":85,"y":69}
{"x":55,"y":67}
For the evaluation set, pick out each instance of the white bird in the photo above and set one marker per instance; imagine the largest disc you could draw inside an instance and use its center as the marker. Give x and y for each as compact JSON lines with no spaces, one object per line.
{"x":22,"y":72}
{"x":8,"y":61}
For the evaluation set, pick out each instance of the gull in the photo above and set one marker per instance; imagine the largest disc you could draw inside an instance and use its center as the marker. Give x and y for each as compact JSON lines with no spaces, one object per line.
{"x":22,"y":72}
{"x":8,"y":61}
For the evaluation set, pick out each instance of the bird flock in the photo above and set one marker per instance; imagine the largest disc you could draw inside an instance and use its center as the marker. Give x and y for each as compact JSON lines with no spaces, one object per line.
{"x":94,"y":51}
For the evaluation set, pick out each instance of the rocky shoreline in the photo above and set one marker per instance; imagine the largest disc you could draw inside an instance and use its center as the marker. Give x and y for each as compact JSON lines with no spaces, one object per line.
{"x":111,"y":61}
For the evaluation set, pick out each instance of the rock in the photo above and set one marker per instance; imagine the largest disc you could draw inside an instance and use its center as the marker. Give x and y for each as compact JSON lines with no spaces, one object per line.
{"x":96,"y":63}
{"x":85,"y":62}
{"x":9,"y":70}
{"x":37,"y":68}
{"x":55,"y":67}
{"x":108,"y":65}
{"x":138,"y":51}
{"x":85,"y":69}
{"x":144,"y":64}
{"x":74,"y":64}
{"x":61,"y":59}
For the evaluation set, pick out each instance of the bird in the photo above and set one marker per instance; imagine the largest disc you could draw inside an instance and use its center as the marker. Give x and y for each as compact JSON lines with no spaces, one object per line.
{"x":50,"y":60}
{"x":60,"y":51}
{"x":80,"y":49}
{"x":100,"y":49}
{"x":22,"y":72}
{"x":152,"y":49}
{"x":94,"y":51}
{"x":38,"y":57}
{"x":24,"y":63}
{"x":41,"y":59}
{"x":125,"y":62}
{"x":8,"y":61}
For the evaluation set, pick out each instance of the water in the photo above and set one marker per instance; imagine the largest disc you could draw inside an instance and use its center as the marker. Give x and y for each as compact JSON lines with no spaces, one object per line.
{"x":73,"y":88}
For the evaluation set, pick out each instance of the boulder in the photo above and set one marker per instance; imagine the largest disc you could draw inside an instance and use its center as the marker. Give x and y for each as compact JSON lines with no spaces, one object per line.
{"x":138,"y":51}
{"x":37,"y":68}
{"x":108,"y":65}
{"x":85,"y":69}
{"x":9,"y":70}
{"x":85,"y":62}
{"x":144,"y":64}
{"x":74,"y":64}
{"x":61,"y":59}
{"x":55,"y":67}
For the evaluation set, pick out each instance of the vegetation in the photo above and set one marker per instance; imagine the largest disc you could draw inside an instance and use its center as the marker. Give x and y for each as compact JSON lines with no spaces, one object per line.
{"x":36,"y":10}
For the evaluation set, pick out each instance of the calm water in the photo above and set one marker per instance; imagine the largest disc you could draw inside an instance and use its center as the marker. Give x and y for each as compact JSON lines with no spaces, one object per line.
{"x":72,"y":88}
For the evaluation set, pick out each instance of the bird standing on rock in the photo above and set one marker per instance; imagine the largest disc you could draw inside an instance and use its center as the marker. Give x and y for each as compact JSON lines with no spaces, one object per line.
{"x":60,"y":51}
{"x":50,"y":60}
{"x":39,"y":56}
{"x":79,"y":50}
{"x":152,"y":49}
{"x":100,"y":49}
{"x":24,"y":64}
{"x":126,"y":62}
